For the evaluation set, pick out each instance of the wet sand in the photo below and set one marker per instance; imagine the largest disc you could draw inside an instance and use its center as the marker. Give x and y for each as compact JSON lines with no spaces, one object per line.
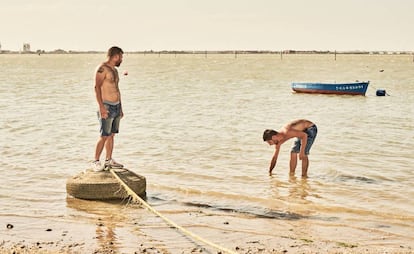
{"x":241,"y":234}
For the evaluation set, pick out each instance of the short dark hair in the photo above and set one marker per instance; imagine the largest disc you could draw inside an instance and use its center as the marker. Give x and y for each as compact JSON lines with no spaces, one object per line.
{"x":268,"y":134}
{"x":113,"y":51}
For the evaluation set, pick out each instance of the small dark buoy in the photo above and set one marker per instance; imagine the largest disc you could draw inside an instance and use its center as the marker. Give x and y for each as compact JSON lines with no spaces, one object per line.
{"x":381,"y":92}
{"x":9,"y":226}
{"x":381,"y":71}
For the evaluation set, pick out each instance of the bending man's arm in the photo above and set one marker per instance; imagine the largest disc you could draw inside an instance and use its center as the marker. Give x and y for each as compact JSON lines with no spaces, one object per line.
{"x":274,"y":159}
{"x":303,"y":141}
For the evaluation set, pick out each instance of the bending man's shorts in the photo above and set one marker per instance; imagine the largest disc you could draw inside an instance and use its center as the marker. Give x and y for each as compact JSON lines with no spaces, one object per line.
{"x":311,"y":132}
{"x":111,"y":123}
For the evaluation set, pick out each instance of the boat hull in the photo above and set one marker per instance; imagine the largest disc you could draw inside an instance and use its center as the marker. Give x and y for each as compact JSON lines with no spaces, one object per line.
{"x":356,"y":88}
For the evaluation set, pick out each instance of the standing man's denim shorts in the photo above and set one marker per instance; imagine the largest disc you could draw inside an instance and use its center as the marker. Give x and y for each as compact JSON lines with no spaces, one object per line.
{"x":111,"y":123}
{"x":311,"y":132}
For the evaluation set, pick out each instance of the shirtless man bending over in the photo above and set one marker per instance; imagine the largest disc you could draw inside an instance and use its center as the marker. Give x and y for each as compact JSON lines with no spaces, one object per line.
{"x":305,"y":133}
{"x":110,"y":112}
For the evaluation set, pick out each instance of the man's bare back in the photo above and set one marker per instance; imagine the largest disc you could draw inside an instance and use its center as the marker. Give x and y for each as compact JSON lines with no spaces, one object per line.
{"x":298,"y":125}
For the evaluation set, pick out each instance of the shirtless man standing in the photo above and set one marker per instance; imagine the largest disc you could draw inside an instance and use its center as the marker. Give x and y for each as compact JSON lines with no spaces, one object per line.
{"x":305,"y":133}
{"x":110,"y":112}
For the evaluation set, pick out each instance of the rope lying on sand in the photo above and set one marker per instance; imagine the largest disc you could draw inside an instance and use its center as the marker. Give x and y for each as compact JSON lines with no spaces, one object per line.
{"x":172,"y":223}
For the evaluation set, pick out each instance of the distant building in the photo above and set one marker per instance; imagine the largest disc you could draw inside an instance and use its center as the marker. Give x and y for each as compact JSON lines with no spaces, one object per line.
{"x":26,"y":47}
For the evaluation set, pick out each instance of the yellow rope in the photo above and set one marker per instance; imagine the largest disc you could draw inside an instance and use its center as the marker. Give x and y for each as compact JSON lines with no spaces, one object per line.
{"x":172,"y":223}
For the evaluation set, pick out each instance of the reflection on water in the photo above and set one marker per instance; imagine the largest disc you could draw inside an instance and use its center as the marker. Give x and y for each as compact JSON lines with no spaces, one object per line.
{"x":108,"y":218}
{"x":105,"y":235}
{"x":299,"y":189}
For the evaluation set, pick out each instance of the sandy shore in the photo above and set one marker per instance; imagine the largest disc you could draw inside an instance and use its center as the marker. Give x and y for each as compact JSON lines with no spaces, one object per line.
{"x":241,"y":234}
{"x":119,"y":227}
{"x":281,"y":246}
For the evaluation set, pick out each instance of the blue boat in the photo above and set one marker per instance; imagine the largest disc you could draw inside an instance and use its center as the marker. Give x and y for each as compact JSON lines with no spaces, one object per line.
{"x":353,"y":88}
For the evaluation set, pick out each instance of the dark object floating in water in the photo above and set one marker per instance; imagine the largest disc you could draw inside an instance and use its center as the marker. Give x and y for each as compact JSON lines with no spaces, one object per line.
{"x":381,"y":92}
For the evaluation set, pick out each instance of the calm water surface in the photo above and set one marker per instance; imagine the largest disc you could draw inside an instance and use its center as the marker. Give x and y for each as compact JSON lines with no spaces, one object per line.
{"x":193,"y":127}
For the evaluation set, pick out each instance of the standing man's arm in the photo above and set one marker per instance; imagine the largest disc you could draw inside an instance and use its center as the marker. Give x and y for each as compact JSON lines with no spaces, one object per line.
{"x":99,"y":79}
{"x":120,"y":103}
{"x":121,"y":113}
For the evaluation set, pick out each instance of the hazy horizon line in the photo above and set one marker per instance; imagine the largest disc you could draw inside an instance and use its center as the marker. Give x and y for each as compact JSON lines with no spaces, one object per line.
{"x":229,"y":51}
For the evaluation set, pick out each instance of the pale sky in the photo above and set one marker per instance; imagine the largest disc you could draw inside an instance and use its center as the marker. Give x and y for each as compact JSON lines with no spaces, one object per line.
{"x":208,"y":24}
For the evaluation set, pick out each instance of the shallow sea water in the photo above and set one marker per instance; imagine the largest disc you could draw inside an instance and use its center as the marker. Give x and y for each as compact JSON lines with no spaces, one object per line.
{"x":193,"y":127}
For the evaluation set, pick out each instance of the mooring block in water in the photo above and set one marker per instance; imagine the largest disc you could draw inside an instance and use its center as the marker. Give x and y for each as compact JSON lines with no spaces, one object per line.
{"x":103,"y":185}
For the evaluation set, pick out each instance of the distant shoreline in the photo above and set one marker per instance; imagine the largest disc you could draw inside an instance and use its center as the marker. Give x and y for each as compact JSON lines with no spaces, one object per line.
{"x":206,"y":52}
